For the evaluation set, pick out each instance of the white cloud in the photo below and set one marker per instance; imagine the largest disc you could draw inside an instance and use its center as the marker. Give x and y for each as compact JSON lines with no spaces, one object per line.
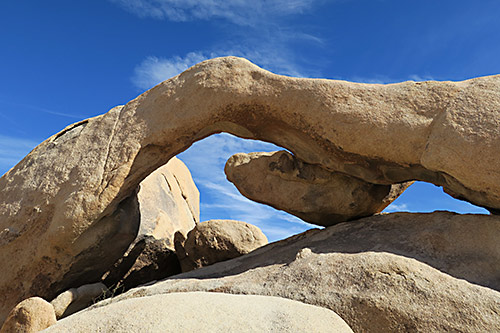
{"x":396,"y":208}
{"x":154,"y":70}
{"x":419,"y":78}
{"x":241,"y":12}
{"x":382,"y":79}
{"x":12,"y":150}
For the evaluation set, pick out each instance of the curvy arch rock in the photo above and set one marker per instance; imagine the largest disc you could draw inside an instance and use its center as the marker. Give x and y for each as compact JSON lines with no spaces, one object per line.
{"x":308,"y":191}
{"x":64,"y":201}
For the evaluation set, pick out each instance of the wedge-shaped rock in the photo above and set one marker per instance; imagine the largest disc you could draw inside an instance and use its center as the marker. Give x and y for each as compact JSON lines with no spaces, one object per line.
{"x":204,"y":312}
{"x":169,"y":202}
{"x":65,"y":204}
{"x":388,"y":273}
{"x":217,"y":240}
{"x":308,"y":191}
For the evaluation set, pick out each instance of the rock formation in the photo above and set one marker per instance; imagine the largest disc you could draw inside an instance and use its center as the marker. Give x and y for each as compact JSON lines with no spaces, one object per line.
{"x":169,"y":203}
{"x":398,"y":272}
{"x":308,"y":191}
{"x":31,"y":315}
{"x":217,"y":240}
{"x":72,"y":200}
{"x":204,"y":312}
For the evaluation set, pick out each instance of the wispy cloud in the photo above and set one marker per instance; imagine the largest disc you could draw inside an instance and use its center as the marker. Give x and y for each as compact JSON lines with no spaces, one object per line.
{"x":396,"y":208}
{"x":419,"y":78}
{"x":154,"y":70}
{"x":261,"y":31}
{"x":381,"y":79}
{"x":43,"y":110}
{"x":221,"y":199}
{"x":240,"y":12}
{"x":12,"y":150}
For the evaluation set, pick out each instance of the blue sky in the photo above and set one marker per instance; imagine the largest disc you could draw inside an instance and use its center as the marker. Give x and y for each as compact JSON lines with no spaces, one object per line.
{"x":63,"y":61}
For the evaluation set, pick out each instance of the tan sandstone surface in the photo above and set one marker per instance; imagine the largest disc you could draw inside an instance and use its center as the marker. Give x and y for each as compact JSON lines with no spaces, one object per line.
{"x":71,"y":200}
{"x":169,"y":202}
{"x":204,"y":312}
{"x":398,"y":272}
{"x":308,"y":191}
{"x":217,"y":240}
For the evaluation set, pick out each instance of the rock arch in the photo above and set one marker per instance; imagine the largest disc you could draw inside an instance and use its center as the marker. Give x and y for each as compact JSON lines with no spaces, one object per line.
{"x":61,"y":203}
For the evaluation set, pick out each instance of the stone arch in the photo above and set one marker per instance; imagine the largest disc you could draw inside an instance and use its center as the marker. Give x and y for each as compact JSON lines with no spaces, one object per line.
{"x":61,"y":198}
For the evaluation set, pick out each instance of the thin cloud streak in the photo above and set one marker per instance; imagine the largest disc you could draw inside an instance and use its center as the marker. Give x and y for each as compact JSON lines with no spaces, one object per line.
{"x":44,"y":110}
{"x":240,"y":12}
{"x":12,"y":150}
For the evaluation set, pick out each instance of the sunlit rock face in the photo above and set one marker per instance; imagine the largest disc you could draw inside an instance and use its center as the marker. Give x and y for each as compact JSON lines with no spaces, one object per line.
{"x":404,"y":272}
{"x":71,"y":200}
{"x":308,"y":191}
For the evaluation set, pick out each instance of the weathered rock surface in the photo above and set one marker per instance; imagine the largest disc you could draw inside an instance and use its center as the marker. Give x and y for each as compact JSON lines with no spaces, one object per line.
{"x":308,"y":191}
{"x":213,"y":312}
{"x":169,"y":202}
{"x":217,"y":240}
{"x":76,"y":299}
{"x":64,"y":204}
{"x":31,"y":315}
{"x":376,"y":273}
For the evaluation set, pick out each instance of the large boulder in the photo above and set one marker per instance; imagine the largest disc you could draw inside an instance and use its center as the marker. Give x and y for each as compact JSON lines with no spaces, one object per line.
{"x":71,"y":200}
{"x":169,"y":204}
{"x":30,"y":316}
{"x":308,"y":191}
{"x":204,"y":312}
{"x":217,"y":240}
{"x":389,"y":273}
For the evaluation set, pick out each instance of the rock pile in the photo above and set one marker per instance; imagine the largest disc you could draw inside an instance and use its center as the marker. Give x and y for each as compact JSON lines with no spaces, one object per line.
{"x":72,"y":212}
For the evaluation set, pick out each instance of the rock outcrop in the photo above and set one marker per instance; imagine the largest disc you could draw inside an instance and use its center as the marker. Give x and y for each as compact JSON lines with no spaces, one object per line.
{"x":71,"y":200}
{"x":377,"y":274}
{"x":308,"y":191}
{"x":204,"y":312}
{"x":217,"y":240}
{"x":30,"y":316}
